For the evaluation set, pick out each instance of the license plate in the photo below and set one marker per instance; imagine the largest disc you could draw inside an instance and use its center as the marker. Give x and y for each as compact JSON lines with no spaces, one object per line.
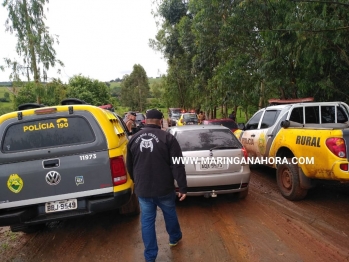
{"x":211,"y":166}
{"x":190,"y":123}
{"x":61,"y":205}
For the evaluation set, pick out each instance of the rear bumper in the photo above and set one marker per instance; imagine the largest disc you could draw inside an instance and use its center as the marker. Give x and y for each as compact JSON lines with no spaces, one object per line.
{"x":219,"y":189}
{"x":86,"y":206}
{"x":225,"y":183}
{"x":338,"y":173}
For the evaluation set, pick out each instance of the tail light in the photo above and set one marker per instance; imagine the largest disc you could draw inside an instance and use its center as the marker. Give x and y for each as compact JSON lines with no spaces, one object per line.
{"x":118,"y":170}
{"x":245,"y":153}
{"x":337,"y":146}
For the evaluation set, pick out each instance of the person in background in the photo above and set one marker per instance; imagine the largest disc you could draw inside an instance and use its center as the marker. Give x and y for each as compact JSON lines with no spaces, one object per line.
{"x":201,"y":117}
{"x":149,"y":162}
{"x":232,"y":115}
{"x":131,"y":121}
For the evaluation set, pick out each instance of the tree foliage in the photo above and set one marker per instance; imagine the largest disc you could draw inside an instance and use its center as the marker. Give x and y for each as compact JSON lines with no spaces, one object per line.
{"x":91,"y":91}
{"x":244,"y":52}
{"x":135,"y":89}
{"x":34,"y":43}
{"x":51,"y":93}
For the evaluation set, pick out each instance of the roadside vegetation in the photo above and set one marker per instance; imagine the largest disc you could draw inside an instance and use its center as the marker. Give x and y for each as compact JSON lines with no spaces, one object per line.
{"x":222,"y":56}
{"x":224,"y":53}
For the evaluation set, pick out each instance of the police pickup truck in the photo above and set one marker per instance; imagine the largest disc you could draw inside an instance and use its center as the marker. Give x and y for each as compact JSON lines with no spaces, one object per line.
{"x":62,"y":162}
{"x":304,"y":142}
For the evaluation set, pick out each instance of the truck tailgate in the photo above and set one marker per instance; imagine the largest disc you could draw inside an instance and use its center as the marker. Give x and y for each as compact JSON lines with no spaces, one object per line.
{"x":47,"y":180}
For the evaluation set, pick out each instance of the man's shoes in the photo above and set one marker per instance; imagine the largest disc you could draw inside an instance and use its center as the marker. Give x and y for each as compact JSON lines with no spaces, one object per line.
{"x":174,"y":243}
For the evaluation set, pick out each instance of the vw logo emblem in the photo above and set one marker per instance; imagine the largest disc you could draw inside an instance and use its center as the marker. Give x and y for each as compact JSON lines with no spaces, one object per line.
{"x":211,"y":154}
{"x":53,"y":178}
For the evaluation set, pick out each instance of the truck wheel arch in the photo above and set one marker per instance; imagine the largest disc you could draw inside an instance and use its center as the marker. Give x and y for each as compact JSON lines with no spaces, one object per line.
{"x":284,"y":152}
{"x":305,"y":182}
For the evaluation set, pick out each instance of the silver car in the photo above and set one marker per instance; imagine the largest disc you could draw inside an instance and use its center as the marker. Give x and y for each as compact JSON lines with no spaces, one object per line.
{"x":214,"y":160}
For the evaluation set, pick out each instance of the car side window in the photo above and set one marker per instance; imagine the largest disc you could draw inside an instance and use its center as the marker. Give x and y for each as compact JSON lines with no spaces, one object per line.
{"x":254,"y":121}
{"x":297,"y":115}
{"x":327,"y":114}
{"x":269,"y":118}
{"x":121,"y":121}
{"x":312,"y":114}
{"x":341,"y":115}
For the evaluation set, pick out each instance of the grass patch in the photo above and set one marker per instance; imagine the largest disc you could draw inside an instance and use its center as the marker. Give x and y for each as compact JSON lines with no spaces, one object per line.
{"x":4,"y":246}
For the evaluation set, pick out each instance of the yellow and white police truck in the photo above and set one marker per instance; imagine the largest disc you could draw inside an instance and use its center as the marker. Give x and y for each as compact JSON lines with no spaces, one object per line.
{"x":304,"y":142}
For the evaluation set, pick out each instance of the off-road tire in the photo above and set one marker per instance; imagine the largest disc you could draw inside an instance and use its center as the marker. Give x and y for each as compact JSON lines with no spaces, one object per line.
{"x":132,"y":206}
{"x":287,"y":178}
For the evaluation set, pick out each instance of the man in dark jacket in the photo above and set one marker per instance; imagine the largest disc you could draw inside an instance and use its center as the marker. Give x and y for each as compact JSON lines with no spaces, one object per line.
{"x":150,"y":165}
{"x":232,"y":115}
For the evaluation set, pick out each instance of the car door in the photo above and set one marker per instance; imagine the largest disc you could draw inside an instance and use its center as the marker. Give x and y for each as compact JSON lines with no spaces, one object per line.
{"x":250,"y":135}
{"x":258,"y":133}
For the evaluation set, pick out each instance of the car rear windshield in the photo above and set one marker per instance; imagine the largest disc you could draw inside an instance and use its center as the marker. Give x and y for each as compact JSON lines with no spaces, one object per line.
{"x":189,"y":116}
{"x":45,"y":133}
{"x":205,"y":139}
{"x":228,"y":124}
{"x":176,"y":112}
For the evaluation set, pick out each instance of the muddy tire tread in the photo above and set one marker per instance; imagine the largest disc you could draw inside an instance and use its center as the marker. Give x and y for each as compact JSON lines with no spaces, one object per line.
{"x":296,"y":192}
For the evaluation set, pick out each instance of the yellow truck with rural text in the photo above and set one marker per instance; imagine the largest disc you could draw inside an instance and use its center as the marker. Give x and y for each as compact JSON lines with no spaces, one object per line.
{"x":304,"y":142}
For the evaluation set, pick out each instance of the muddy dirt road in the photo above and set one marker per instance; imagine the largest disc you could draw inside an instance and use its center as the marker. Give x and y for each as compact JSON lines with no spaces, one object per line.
{"x":263,"y":227}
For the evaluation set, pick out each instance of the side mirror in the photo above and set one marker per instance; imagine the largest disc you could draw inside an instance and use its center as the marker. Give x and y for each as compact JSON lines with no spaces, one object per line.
{"x":241,"y":126}
{"x":285,"y":124}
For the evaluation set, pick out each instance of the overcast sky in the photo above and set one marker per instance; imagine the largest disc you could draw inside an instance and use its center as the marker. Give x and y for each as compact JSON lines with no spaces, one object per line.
{"x":98,"y":39}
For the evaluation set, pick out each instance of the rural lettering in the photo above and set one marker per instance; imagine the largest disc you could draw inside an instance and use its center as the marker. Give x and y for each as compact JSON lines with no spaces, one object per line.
{"x":308,"y":141}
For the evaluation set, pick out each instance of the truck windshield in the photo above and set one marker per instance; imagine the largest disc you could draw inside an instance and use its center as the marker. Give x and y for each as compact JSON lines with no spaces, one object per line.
{"x":176,"y":112}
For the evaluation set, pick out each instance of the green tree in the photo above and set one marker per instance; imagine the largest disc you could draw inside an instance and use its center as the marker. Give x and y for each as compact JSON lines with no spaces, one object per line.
{"x":157,"y":92}
{"x":26,"y":94}
{"x":91,"y":91}
{"x":51,"y":93}
{"x":175,"y":41}
{"x":7,"y":96}
{"x":34,"y":43}
{"x":135,"y":89}
{"x":245,"y":52}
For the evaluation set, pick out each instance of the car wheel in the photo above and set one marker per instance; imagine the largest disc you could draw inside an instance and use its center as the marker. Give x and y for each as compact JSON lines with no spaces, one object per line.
{"x":132,"y":207}
{"x":243,"y":194}
{"x":287,"y":178}
{"x":28,"y":229}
